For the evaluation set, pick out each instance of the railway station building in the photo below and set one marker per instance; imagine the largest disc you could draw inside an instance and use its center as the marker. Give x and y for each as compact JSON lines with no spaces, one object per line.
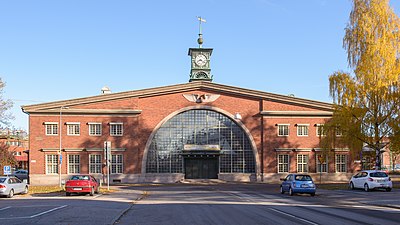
{"x":194,"y":130}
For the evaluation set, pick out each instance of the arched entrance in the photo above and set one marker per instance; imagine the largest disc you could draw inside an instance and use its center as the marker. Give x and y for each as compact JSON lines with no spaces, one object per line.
{"x":200,"y":143}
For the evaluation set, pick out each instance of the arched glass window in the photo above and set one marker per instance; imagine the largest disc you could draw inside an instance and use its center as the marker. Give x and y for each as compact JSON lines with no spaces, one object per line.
{"x":200,"y":127}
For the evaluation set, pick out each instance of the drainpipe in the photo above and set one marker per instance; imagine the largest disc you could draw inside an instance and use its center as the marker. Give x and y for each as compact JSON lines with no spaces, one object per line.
{"x":262,"y":141}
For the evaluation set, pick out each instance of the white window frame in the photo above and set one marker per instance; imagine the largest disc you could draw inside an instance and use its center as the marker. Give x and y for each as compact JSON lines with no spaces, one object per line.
{"x":323,"y":166}
{"x":320,"y":130}
{"x":74,"y":164}
{"x":338,"y":132}
{"x":95,"y":164}
{"x":341,"y":163}
{"x":302,"y":132}
{"x":52,"y":127}
{"x":73,"y":129}
{"x":302,"y":163}
{"x":95,"y":129}
{"x":117,"y":164}
{"x":281,"y":129}
{"x":116,"y":133}
{"x":283,"y":163}
{"x":52,"y":163}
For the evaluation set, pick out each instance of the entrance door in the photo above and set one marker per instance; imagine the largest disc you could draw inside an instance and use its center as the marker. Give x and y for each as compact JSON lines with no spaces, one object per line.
{"x":201,"y":168}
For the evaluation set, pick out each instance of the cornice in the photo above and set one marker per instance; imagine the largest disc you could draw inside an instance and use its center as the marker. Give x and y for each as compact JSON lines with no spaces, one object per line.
{"x":89,"y":111}
{"x":297,"y":113}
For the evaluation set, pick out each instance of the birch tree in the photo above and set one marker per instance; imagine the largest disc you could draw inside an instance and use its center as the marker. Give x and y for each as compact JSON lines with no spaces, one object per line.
{"x":5,"y":105}
{"x":366,"y":100}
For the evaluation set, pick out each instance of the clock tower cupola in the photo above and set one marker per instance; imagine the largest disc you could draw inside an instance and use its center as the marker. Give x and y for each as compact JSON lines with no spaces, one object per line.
{"x":200,"y":59}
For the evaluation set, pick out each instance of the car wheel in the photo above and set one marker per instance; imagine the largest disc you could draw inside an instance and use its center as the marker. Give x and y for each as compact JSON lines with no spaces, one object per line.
{"x":388,"y":189}
{"x":291,"y":192}
{"x":351,"y":186}
{"x":366,"y":188}
{"x":91,"y":191}
{"x":11,"y":193}
{"x":25,"y":190}
{"x":282,"y":191}
{"x":67,"y":193}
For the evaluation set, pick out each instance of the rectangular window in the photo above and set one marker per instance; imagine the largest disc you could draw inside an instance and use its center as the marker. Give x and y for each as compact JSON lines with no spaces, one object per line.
{"x":320,"y":130}
{"x":116,"y":129}
{"x":338,"y":132}
{"x":51,"y":164}
{"x":51,"y":128}
{"x":302,"y":163}
{"x":283,"y":163}
{"x":74,"y":164}
{"x":341,"y":163}
{"x":94,"y":129}
{"x":116,"y":164}
{"x":95,"y":164}
{"x":302,"y":129}
{"x":321,"y":162}
{"x":73,"y":129}
{"x":283,"y":129}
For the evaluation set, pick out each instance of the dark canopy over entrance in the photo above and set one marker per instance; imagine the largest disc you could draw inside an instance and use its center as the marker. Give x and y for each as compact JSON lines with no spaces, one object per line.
{"x":228,"y":148}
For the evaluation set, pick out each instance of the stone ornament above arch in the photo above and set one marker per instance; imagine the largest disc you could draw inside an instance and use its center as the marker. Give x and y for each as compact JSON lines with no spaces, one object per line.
{"x":201,"y":98}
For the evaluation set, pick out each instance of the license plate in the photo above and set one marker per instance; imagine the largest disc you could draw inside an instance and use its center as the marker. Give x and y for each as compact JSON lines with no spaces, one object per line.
{"x":304,"y":185}
{"x":77,"y":189}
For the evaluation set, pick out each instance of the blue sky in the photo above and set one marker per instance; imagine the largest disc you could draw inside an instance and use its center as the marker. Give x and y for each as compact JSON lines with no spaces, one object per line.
{"x":57,"y":50}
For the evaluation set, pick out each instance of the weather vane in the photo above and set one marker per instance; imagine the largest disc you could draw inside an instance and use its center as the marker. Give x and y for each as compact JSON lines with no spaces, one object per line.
{"x":200,"y":39}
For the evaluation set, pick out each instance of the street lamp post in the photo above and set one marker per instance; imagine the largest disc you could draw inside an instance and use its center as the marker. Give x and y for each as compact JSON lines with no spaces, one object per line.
{"x":59,"y":151}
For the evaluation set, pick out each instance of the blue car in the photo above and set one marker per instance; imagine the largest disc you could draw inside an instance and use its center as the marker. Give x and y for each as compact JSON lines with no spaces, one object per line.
{"x":298,"y":183}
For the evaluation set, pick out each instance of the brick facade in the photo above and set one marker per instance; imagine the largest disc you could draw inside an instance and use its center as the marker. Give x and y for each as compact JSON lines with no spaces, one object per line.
{"x":142,"y":112}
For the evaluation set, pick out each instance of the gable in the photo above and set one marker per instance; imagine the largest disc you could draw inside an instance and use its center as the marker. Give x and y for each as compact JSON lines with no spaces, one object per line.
{"x":118,"y":101}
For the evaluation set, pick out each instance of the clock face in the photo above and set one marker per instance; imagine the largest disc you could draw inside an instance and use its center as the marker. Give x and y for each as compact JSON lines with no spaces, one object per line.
{"x":201,"y":60}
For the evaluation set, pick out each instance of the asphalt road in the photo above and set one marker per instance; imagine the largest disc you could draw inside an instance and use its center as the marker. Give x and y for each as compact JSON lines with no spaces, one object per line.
{"x":257,"y":204}
{"x":203,"y":204}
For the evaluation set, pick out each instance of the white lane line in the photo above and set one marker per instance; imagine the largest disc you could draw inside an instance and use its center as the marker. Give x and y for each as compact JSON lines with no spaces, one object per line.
{"x":289,"y":215}
{"x":5,"y":208}
{"x":36,"y":215}
{"x":51,"y":210}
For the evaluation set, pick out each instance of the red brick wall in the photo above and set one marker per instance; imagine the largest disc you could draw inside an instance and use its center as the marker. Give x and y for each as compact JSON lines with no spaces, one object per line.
{"x":137,"y":129}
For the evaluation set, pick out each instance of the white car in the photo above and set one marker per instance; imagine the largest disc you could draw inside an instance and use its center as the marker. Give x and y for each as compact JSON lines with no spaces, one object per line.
{"x":371,"y":179}
{"x":10,"y":185}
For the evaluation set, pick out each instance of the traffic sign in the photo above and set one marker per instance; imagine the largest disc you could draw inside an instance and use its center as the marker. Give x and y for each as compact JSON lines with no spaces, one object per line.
{"x":7,"y":170}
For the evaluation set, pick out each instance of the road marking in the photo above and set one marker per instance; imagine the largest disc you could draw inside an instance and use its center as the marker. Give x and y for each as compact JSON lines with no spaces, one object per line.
{"x":5,"y":208}
{"x":33,"y":216}
{"x":292,"y":216}
{"x":51,"y":210}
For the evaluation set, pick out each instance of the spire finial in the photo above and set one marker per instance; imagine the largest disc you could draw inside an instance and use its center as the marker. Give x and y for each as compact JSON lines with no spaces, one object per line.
{"x":200,"y":39}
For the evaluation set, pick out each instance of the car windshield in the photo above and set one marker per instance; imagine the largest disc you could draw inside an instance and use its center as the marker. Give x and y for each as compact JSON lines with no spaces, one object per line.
{"x":80,"y":178}
{"x":378,"y":174}
{"x":303,"y":178}
{"x":2,"y":179}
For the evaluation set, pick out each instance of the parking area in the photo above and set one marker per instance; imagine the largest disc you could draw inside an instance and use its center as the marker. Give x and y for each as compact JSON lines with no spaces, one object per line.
{"x":56,"y":208}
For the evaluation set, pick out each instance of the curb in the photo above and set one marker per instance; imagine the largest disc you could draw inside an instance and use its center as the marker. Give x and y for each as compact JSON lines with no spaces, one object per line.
{"x":123,"y":212}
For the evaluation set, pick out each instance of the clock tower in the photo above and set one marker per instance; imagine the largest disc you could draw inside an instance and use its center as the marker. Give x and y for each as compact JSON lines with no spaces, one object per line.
{"x":200,"y":59}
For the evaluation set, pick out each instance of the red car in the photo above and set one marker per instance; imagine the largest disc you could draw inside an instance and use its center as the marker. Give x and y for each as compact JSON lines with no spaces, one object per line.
{"x":82,"y":184}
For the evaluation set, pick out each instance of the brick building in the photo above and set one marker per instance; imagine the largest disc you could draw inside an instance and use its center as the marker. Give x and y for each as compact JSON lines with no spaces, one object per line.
{"x":198,"y":129}
{"x":16,"y":141}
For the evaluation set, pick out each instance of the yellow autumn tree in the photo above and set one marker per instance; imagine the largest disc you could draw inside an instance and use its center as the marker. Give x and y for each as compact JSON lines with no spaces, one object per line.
{"x":366,"y":100}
